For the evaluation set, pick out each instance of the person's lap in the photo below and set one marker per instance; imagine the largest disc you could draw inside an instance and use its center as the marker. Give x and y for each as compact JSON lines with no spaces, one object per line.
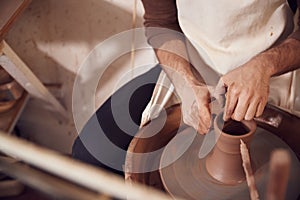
{"x":105,"y":138}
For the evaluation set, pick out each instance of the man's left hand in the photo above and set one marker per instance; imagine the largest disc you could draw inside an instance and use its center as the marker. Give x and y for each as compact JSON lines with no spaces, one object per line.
{"x":247,"y":90}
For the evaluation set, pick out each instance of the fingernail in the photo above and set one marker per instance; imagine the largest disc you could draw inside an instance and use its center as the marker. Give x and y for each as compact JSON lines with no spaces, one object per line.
{"x":207,"y":130}
{"x":237,"y":118}
{"x":248,"y":118}
{"x":225,"y":118}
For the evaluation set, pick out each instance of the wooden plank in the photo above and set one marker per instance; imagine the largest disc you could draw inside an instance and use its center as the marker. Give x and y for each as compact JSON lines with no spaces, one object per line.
{"x":9,"y":118}
{"x":9,"y":12}
{"x":75,"y":171}
{"x":46,"y":183}
{"x":11,"y":62}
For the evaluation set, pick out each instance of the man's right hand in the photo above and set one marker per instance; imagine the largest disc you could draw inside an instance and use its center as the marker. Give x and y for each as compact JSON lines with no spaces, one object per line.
{"x":195,"y":108}
{"x":192,"y":91}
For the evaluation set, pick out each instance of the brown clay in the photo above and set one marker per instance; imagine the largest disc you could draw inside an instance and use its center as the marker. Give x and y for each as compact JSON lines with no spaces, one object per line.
{"x":187,"y":177}
{"x":225,"y":162}
{"x":10,"y":91}
{"x":143,"y":144}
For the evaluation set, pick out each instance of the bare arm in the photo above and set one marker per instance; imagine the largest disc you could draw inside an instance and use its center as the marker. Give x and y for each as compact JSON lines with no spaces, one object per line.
{"x":283,"y":58}
{"x":169,"y":46}
{"x":171,"y":53}
{"x":248,"y":85}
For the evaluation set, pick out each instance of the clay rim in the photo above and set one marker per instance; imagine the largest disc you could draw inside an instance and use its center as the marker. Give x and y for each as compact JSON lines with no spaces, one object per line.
{"x":7,"y":105}
{"x":249,"y":124}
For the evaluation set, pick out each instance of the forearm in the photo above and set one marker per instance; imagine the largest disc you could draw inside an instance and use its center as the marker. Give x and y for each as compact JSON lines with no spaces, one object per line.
{"x":164,"y":35}
{"x":172,"y":56}
{"x":286,"y":56}
{"x":282,"y":58}
{"x":193,"y":93}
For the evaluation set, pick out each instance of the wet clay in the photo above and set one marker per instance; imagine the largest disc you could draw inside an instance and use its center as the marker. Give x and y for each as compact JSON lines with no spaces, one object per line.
{"x":220,"y":175}
{"x":187,"y":176}
{"x":10,"y":91}
{"x":225,"y":161}
{"x":144,"y":169}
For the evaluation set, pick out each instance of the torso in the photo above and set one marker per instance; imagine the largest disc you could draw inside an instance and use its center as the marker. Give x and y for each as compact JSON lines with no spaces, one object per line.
{"x":229,"y":34}
{"x":226,"y":35}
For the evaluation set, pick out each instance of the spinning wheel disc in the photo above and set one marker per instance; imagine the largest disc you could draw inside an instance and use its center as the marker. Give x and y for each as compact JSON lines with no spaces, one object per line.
{"x":187,"y":177}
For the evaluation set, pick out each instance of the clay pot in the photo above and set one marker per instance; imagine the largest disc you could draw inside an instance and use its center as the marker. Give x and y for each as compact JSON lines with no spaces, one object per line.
{"x":10,"y":91}
{"x":7,"y":105}
{"x":187,"y":177}
{"x":142,"y":143}
{"x":4,"y":76}
{"x":225,"y":162}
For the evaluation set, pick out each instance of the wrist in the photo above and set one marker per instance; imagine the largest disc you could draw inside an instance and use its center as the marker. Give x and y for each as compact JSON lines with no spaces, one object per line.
{"x":267,"y":63}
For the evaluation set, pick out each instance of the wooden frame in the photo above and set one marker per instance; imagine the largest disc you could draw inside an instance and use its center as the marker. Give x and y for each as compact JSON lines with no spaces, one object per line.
{"x":11,"y":62}
{"x":71,"y":170}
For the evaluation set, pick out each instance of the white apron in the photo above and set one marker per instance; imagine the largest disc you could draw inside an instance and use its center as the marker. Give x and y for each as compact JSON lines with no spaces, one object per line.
{"x":227,"y":34}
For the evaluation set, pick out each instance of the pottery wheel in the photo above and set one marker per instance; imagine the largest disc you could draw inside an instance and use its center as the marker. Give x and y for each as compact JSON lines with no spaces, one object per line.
{"x":188,"y":178}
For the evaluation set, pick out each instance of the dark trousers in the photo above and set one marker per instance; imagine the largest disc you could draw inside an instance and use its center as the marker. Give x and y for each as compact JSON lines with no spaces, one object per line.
{"x":102,"y":142}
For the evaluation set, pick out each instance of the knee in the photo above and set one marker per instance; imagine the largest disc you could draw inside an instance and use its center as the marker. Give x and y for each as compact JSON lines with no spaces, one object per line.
{"x":81,"y":153}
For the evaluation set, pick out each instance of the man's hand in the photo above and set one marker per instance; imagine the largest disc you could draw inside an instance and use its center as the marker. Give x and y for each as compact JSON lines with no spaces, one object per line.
{"x":248,"y":85}
{"x":247,"y":89}
{"x":195,"y":106}
{"x":190,"y":87}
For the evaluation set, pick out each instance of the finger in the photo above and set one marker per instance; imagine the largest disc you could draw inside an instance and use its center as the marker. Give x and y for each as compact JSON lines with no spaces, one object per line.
{"x":251,"y":110}
{"x":260,"y":108}
{"x":203,"y":127}
{"x":231,"y":101}
{"x":241,"y":108}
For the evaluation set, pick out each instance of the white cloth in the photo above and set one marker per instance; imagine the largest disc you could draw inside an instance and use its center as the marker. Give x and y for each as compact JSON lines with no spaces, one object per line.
{"x":226,"y":34}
